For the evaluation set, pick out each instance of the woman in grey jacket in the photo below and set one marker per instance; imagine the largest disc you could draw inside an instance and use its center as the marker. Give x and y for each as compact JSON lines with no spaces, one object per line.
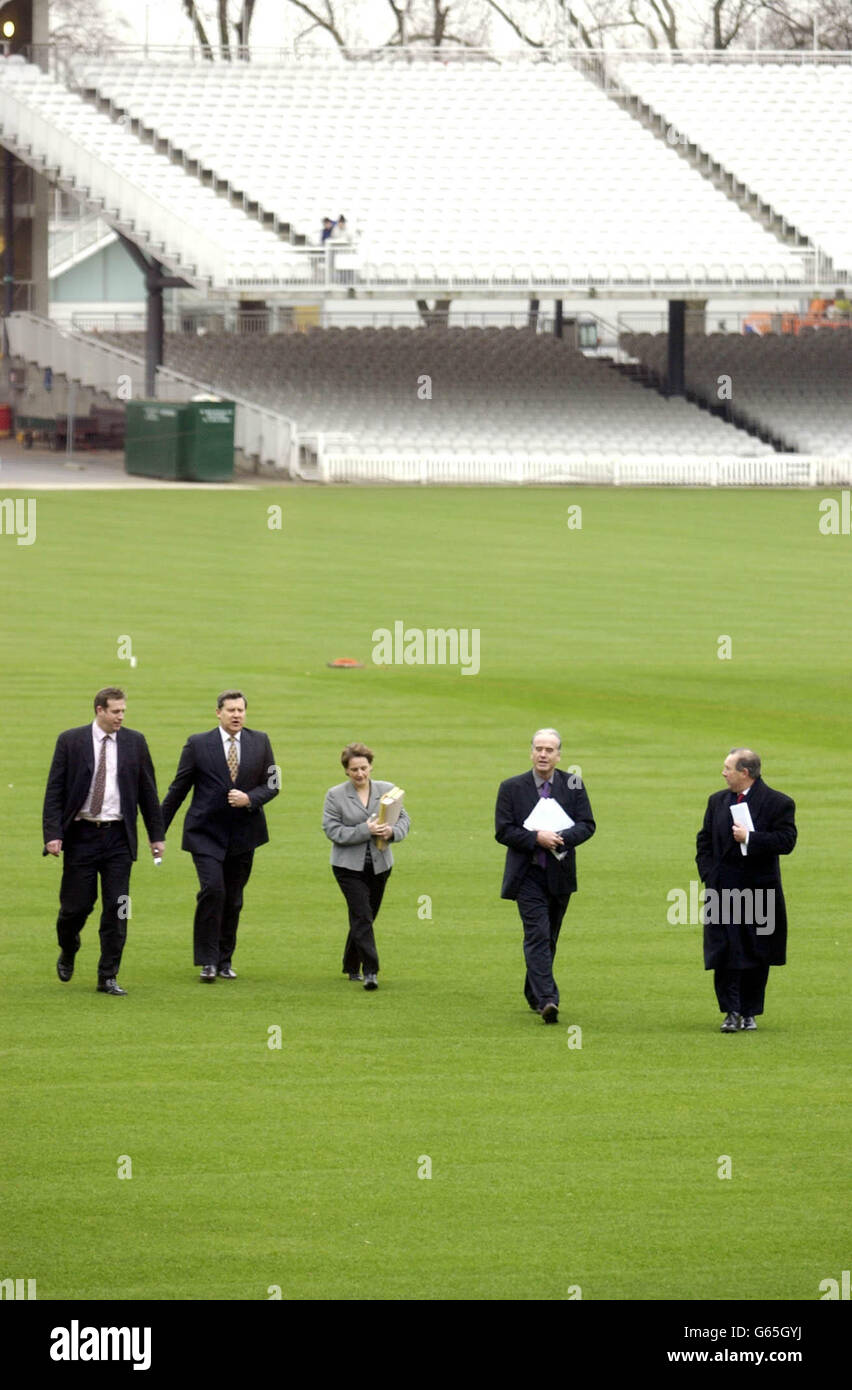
{"x":350,"y":820}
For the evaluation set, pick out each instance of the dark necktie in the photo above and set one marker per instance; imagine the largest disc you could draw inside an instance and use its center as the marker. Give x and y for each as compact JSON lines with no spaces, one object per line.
{"x":541,"y":854}
{"x":97,"y":801}
{"x":740,"y":797}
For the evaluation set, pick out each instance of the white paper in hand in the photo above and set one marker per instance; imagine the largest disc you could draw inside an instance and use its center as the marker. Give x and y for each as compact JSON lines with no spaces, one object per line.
{"x":547,"y":814}
{"x":741,"y":815}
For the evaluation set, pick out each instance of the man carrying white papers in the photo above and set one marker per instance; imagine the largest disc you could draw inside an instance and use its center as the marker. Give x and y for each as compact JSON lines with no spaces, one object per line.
{"x":541,"y":816}
{"x":741,"y":815}
{"x":746,"y":827}
{"x":547,"y":814}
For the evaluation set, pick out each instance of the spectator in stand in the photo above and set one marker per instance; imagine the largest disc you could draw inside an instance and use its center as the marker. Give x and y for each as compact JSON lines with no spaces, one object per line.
{"x":841,"y":310}
{"x":340,"y":230}
{"x":327,"y":230}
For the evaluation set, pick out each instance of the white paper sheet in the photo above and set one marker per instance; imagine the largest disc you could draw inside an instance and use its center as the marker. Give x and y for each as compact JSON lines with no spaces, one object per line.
{"x":741,"y":815}
{"x":547,"y":814}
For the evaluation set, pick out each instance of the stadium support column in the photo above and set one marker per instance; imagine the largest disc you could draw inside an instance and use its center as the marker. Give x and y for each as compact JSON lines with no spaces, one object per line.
{"x":557,"y":319}
{"x":39,"y":273}
{"x":8,"y":233}
{"x":676,"y":378}
{"x":155,"y":283}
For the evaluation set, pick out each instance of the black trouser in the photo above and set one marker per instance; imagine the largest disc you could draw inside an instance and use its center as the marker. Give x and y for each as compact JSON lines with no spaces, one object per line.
{"x":363,"y":890}
{"x":89,"y":850}
{"x":219,"y":901}
{"x":741,"y":991}
{"x":541,"y":913}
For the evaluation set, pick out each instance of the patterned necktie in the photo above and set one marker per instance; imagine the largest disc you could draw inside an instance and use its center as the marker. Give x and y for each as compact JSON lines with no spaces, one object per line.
{"x":233,"y":761}
{"x":541,"y":854}
{"x":97,"y":801}
{"x":740,"y":798}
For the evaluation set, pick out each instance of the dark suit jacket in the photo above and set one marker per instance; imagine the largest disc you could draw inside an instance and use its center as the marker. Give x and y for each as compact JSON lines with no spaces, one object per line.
{"x":211,"y":826}
{"x":70,"y":778}
{"x":515,"y":799}
{"x":721,"y":865}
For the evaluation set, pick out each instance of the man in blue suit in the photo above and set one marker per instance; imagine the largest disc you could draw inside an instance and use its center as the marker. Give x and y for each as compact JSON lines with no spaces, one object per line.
{"x":540,"y":873}
{"x":100,"y":777}
{"x":233,"y":774}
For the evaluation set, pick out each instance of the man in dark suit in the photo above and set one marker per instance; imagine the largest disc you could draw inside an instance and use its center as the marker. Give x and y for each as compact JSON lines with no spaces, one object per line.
{"x":233,"y":774}
{"x":540,"y":873}
{"x":745,"y":916}
{"x":100,"y":775}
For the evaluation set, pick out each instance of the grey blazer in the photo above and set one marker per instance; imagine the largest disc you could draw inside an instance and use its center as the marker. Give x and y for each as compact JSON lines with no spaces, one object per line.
{"x":344,"y":821}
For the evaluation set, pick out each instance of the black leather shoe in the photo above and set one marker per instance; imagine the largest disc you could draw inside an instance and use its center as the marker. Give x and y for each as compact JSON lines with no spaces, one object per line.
{"x":110,"y":986}
{"x":550,"y":1012}
{"x":65,"y":967}
{"x":731,"y":1024}
{"x":370,"y":982}
{"x":356,"y":979}
{"x":747,"y":1024}
{"x":227,"y":973}
{"x":208,"y":974}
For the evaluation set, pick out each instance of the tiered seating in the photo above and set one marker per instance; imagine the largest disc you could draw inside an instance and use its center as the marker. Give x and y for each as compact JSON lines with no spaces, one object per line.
{"x":439,"y":167}
{"x":491,"y":389}
{"x":162,"y":206}
{"x":781,"y":130}
{"x":800,"y":387}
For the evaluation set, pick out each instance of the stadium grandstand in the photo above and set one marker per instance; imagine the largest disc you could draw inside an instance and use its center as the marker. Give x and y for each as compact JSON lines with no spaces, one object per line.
{"x":589,"y":183}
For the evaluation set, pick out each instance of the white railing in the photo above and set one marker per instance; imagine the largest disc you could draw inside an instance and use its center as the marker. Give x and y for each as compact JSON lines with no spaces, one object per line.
{"x":66,"y":243}
{"x":780,"y":470}
{"x":310,"y":272}
{"x":262,"y":434}
{"x":37,"y":140}
{"x":67,"y":59}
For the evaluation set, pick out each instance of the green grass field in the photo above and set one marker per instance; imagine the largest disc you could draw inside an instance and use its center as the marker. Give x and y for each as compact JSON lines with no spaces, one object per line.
{"x":553,"y":1166}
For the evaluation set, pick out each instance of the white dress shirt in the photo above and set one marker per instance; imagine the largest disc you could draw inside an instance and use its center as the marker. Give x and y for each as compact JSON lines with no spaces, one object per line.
{"x":111,"y":808}
{"x":226,"y":739}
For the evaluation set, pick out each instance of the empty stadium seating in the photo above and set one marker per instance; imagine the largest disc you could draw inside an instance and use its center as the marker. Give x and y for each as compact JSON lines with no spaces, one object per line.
{"x":773,"y":127}
{"x":414,"y":390}
{"x":473,"y":173}
{"x":798,"y":387}
{"x":164,"y":208}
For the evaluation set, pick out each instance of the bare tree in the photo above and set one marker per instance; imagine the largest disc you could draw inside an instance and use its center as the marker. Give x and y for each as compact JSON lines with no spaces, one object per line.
{"x":232,"y":20}
{"x":191,"y":11}
{"x":825,"y":25}
{"x":87,"y":24}
{"x":322,"y":16}
{"x":430,"y":23}
{"x":729,"y":20}
{"x":544,"y":26}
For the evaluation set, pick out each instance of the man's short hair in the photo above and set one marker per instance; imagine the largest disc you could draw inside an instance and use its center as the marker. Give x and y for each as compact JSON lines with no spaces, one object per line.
{"x":356,"y":750}
{"x":749,"y":762}
{"x":231,"y":695}
{"x":109,"y":692}
{"x":555,"y":733}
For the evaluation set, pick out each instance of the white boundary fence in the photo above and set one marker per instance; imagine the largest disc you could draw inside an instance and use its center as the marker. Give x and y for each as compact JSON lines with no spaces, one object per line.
{"x":260,"y":433}
{"x":640,"y":470}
